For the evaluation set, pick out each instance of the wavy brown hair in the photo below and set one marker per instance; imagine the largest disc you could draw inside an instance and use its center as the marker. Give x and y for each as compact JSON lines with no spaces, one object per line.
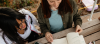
{"x":64,"y":6}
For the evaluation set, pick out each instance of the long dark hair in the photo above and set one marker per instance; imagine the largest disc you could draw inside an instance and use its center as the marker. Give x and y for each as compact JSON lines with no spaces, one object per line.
{"x":8,"y":22}
{"x":64,"y":6}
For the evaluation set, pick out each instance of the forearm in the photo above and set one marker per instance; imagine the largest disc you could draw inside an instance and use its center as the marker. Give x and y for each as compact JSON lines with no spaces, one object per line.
{"x":44,"y":28}
{"x":77,"y":20}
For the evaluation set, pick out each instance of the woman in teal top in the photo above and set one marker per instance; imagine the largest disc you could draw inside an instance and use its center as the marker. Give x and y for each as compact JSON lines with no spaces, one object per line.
{"x":55,"y":21}
{"x":57,"y":15}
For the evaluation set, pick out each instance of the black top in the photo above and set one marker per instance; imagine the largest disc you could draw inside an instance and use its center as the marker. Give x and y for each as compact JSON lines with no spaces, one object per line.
{"x":33,"y":36}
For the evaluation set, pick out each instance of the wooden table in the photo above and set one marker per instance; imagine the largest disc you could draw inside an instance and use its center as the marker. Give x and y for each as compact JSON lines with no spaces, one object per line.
{"x":91,"y":32}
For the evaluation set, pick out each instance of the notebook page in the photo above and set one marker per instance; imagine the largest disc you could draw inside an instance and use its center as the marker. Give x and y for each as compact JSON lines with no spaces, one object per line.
{"x":60,"y":41}
{"x":73,"y":38}
{"x":82,"y":39}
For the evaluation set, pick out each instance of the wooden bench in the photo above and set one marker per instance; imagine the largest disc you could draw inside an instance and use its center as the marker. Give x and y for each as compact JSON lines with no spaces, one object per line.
{"x":91,"y":32}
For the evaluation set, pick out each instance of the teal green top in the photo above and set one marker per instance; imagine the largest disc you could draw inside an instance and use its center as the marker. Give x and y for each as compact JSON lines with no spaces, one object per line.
{"x":56,"y":23}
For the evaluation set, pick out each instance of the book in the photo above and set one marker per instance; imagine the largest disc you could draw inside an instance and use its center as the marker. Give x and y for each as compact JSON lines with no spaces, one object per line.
{"x":71,"y":38}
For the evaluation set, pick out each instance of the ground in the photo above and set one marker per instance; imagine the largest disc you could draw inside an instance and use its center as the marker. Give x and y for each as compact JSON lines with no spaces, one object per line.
{"x":84,"y":14}
{"x":80,"y":5}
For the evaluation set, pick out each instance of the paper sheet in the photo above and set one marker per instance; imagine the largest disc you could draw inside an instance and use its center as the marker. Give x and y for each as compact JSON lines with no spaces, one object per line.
{"x":60,"y":41}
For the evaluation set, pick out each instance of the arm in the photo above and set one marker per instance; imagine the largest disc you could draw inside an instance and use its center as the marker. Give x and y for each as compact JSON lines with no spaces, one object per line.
{"x":76,"y":18}
{"x":43,"y":25}
{"x":41,"y":21}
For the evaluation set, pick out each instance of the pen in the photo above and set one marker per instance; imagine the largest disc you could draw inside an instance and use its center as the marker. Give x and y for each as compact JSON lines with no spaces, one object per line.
{"x":93,"y":42}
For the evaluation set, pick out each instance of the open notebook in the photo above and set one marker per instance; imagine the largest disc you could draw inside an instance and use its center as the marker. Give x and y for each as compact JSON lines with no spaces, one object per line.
{"x":71,"y":38}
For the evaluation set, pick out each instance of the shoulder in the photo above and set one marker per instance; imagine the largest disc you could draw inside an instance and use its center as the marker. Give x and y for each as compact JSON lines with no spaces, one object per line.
{"x":39,"y":8}
{"x":40,"y":12}
{"x":72,"y":2}
{"x":74,"y":5}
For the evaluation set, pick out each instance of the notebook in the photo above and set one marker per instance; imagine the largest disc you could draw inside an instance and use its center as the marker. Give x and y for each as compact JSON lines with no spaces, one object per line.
{"x":71,"y":38}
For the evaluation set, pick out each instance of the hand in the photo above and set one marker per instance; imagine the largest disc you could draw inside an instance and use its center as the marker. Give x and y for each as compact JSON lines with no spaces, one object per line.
{"x":49,"y":37}
{"x":99,"y":18}
{"x":26,"y":43}
{"x":78,"y":29}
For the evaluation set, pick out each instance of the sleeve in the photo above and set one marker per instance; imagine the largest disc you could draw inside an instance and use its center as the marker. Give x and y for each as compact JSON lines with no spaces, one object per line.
{"x":76,"y":18}
{"x":8,"y":41}
{"x":1,"y":40}
{"x":41,"y":21}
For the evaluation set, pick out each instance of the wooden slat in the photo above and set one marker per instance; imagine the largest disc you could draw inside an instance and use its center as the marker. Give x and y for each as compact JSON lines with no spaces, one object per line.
{"x":91,"y":30}
{"x":41,"y":40}
{"x":90,"y":23}
{"x":97,"y":42}
{"x":92,"y":37}
{"x":56,"y":35}
{"x":64,"y":32}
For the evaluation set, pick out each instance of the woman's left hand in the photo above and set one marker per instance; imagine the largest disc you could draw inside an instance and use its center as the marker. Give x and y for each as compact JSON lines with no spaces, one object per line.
{"x":78,"y":29}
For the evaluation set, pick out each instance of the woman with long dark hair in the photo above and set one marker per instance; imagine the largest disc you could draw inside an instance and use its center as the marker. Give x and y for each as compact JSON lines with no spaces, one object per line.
{"x":57,"y":15}
{"x":17,"y":28}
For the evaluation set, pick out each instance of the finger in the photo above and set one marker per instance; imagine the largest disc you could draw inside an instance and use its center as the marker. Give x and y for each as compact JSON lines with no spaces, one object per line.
{"x":99,"y":18}
{"x":51,"y":38}
{"x":80,"y":31}
{"x":48,"y":38}
{"x":51,"y":35}
{"x":76,"y":30}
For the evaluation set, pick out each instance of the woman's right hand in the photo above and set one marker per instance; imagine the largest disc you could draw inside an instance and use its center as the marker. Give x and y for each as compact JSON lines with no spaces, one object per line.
{"x":99,"y":18}
{"x":49,"y":37}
